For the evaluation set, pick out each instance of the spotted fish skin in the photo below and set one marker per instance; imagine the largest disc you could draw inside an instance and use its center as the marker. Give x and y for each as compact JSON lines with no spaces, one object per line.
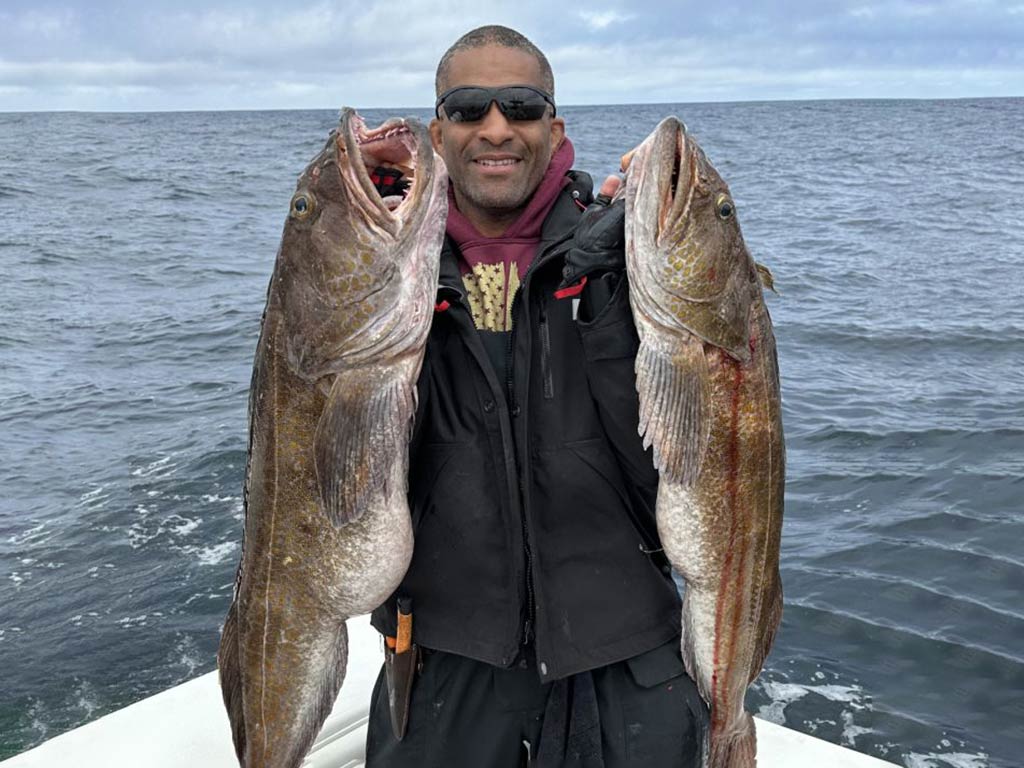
{"x":327,"y":531}
{"x":710,"y":406}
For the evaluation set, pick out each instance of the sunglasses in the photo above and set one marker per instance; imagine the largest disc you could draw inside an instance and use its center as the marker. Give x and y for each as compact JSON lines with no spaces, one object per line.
{"x":469,"y":103}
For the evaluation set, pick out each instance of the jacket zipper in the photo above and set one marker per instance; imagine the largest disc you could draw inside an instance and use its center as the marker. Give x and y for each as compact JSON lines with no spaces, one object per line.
{"x":513,"y":409}
{"x":531,"y":606}
{"x":545,"y":354}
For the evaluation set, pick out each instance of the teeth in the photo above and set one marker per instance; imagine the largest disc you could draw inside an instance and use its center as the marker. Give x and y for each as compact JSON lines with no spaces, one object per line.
{"x":510,"y":161}
{"x":386,"y":135}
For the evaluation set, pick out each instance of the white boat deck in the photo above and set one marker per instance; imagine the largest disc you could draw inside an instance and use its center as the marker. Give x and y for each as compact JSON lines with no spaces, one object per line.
{"x":188,"y":726}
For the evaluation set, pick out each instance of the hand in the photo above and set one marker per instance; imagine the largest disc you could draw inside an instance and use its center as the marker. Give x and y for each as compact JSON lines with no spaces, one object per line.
{"x":406,"y":170}
{"x":599,"y":241}
{"x":390,"y":179}
{"x":608,"y":189}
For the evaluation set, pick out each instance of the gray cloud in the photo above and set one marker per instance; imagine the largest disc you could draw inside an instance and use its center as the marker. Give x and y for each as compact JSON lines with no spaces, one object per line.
{"x":261,"y":54}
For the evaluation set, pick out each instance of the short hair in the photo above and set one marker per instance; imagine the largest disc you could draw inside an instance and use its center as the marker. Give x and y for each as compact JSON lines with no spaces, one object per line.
{"x":493,"y":34}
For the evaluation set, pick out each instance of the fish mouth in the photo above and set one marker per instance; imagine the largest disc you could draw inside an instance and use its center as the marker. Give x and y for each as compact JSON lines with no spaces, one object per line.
{"x":662,"y":180}
{"x":675,"y":163}
{"x":398,"y":143}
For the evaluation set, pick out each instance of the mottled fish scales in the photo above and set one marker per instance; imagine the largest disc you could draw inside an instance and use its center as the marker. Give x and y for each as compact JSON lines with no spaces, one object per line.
{"x":327,"y":528}
{"x":708,"y":384}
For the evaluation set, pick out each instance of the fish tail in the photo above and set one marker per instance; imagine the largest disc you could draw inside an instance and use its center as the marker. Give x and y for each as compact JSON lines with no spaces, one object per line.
{"x":735,"y":749}
{"x":283,"y":735}
{"x":231,"y":679}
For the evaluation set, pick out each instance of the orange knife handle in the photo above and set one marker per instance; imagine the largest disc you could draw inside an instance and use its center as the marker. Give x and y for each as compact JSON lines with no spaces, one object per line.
{"x":403,"y":640}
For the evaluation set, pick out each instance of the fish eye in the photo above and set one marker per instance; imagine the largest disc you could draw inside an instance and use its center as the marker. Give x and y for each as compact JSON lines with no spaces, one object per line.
{"x":302,"y":205}
{"x":724,"y":207}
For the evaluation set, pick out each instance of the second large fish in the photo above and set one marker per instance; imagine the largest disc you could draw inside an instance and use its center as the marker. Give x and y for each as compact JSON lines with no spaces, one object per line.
{"x":327,"y":527}
{"x":708,"y":382}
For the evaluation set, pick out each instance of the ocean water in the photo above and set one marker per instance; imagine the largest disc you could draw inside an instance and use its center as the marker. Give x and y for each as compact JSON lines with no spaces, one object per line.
{"x":134,"y":256}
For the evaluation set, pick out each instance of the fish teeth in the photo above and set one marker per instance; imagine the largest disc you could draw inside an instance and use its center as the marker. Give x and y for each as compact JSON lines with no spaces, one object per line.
{"x":391,"y":132}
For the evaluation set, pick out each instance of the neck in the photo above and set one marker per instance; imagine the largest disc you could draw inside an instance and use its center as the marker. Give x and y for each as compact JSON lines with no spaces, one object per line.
{"x":489,"y":223}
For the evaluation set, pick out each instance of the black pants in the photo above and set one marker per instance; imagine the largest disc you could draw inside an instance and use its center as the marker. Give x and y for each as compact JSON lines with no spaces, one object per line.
{"x":467,"y":714}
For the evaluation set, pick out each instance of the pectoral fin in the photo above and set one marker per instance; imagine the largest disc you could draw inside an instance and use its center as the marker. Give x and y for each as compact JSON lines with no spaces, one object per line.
{"x":766,"y":277}
{"x":364,"y":429}
{"x":673,"y":406}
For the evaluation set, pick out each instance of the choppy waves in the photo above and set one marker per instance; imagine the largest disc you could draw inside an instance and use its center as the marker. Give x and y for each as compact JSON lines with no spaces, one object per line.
{"x":133,"y":301}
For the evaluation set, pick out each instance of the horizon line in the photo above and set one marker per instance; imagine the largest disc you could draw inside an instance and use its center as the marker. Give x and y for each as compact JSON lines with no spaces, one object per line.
{"x":186,"y":110}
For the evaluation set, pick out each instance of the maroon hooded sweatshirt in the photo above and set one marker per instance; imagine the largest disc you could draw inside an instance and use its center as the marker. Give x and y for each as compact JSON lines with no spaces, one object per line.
{"x":492,"y":267}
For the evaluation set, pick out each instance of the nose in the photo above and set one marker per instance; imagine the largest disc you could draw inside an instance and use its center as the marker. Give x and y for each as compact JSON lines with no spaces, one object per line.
{"x":494,"y":127}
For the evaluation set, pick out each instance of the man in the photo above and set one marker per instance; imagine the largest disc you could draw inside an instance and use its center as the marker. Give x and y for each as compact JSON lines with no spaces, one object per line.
{"x":545,"y":615}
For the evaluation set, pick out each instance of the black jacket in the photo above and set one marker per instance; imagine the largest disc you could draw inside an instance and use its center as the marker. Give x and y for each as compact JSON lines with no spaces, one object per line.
{"x":532,"y":499}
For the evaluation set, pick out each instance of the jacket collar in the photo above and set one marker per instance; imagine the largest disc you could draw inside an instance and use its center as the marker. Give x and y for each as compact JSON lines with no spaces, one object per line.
{"x":449,"y":280}
{"x":559,"y":225}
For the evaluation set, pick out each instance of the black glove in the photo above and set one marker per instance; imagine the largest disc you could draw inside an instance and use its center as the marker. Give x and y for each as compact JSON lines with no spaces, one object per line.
{"x":599,"y":243}
{"x":598,"y":253}
{"x":389,"y":181}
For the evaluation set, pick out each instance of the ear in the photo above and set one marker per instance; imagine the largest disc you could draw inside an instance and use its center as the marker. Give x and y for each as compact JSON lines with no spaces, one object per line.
{"x":557,"y":133}
{"x":435,"y":134}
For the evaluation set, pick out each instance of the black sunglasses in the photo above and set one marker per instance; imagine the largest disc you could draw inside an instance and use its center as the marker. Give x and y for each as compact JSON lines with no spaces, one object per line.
{"x":469,"y":103}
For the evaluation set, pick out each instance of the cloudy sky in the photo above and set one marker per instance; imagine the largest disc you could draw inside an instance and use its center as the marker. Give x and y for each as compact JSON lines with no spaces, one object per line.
{"x":267,"y":54}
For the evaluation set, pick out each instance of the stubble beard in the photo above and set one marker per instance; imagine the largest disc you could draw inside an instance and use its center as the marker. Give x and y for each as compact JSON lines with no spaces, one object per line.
{"x":504,"y":198}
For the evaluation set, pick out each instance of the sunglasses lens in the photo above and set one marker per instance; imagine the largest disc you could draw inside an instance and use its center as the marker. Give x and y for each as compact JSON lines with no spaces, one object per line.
{"x":467,"y":105}
{"x":521,"y":104}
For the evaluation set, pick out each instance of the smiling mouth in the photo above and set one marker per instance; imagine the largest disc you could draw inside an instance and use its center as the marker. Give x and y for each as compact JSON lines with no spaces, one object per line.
{"x":497,"y":163}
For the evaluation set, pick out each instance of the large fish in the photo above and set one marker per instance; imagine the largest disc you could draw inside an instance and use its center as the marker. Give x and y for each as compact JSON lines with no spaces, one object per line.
{"x":327,"y":527}
{"x":708,"y":382}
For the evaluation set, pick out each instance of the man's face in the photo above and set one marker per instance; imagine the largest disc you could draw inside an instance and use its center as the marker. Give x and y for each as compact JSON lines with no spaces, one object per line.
{"x":495,"y":164}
